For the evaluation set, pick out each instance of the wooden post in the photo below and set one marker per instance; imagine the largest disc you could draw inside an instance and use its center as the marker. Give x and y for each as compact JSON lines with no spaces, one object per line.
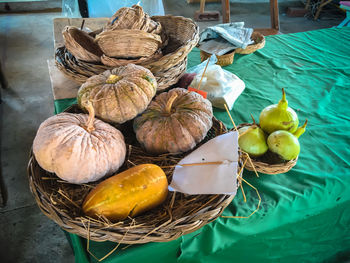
{"x":225,"y":4}
{"x":274,"y":15}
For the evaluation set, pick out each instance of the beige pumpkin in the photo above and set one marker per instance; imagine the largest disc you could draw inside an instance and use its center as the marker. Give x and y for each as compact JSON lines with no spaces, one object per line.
{"x":120,"y":94}
{"x":174,"y":122}
{"x":79,"y":148}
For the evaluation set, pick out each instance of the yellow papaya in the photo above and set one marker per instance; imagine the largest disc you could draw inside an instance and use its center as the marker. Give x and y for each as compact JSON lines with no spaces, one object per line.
{"x":128,"y":193}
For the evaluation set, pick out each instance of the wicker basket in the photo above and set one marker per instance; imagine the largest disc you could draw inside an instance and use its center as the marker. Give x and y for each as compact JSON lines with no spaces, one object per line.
{"x":133,"y":18}
{"x":223,"y":60}
{"x":269,"y":163}
{"x":180,"y":214}
{"x":259,"y":42}
{"x":80,"y":71}
{"x":182,"y":34}
{"x":81,"y":44}
{"x":128,"y":43}
{"x":117,"y":62}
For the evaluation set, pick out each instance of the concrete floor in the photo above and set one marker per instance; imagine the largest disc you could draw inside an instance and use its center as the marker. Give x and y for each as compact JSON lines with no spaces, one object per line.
{"x":26,"y":235}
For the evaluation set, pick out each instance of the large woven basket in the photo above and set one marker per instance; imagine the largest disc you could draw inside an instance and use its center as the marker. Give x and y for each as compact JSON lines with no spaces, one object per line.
{"x":178,"y":215}
{"x":269,"y":163}
{"x":182,"y":34}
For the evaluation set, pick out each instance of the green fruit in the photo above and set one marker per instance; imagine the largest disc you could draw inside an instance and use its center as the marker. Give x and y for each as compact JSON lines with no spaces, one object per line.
{"x":279,"y":117}
{"x":252,"y":140}
{"x":286,"y":144}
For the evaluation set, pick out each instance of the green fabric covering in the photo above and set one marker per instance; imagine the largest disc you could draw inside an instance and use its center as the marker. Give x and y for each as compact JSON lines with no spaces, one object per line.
{"x":305,"y":214}
{"x":61,"y":105}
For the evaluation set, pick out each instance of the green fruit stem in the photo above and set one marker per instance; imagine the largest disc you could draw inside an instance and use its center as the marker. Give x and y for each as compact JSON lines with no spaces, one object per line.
{"x":170,"y":103}
{"x":300,"y":130}
{"x":254,"y":123}
{"x":112,"y":79}
{"x":283,"y":103}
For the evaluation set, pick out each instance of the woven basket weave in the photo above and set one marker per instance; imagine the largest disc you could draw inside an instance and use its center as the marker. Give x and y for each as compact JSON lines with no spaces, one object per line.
{"x":178,"y":215}
{"x":132,"y":18}
{"x":182,"y":35}
{"x":81,"y":44}
{"x":259,"y":42}
{"x":128,"y":43}
{"x":267,"y":163}
{"x":223,"y":60}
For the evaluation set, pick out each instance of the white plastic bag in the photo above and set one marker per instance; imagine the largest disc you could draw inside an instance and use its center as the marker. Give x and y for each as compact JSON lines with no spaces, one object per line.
{"x":222,"y":86}
{"x":70,"y":8}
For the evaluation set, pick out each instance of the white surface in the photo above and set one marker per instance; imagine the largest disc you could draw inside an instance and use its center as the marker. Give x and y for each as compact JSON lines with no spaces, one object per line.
{"x":62,"y":87}
{"x":209,"y":178}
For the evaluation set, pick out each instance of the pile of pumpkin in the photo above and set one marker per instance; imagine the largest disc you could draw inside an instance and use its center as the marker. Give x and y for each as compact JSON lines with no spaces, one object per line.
{"x":276,"y":136}
{"x":83,"y":148}
{"x":130,"y":36}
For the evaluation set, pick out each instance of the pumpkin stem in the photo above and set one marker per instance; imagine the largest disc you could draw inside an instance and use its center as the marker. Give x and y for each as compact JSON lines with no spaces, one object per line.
{"x":170,"y":103}
{"x":90,"y":122}
{"x":112,"y":79}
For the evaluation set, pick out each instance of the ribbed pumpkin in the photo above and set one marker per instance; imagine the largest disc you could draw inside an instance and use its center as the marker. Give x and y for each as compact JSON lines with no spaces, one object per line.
{"x":79,"y":148}
{"x":174,"y":122}
{"x":120,"y":94}
{"x":129,"y":193}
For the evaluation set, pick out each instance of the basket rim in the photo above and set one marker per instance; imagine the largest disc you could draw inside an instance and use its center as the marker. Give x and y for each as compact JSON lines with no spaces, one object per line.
{"x":253,"y":47}
{"x":267,"y":168}
{"x":78,"y":226}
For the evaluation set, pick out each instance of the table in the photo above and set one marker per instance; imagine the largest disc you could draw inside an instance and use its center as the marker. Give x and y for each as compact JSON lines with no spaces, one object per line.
{"x":305,"y":213}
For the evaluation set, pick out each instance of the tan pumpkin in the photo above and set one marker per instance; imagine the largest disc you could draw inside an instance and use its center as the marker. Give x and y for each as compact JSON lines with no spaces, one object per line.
{"x":174,"y":122}
{"x":79,"y":148}
{"x":120,"y":94}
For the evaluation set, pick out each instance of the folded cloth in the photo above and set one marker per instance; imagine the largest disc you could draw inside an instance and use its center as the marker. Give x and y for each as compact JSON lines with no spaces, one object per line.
{"x":234,"y":33}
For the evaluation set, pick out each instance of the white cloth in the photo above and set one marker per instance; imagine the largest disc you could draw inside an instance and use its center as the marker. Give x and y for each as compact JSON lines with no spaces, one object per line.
{"x":234,"y":33}
{"x":209,"y":178}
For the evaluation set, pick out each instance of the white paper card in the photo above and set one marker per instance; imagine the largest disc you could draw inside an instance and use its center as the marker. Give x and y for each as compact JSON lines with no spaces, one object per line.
{"x":209,"y":178}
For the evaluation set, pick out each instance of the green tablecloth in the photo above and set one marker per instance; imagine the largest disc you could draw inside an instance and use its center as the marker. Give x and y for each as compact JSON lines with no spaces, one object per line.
{"x":305,"y":213}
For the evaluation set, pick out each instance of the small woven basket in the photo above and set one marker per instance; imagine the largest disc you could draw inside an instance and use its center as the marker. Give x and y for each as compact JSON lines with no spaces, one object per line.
{"x":81,"y":44}
{"x":269,"y":163}
{"x":133,"y":18}
{"x":128,"y":43}
{"x":178,"y":215}
{"x":259,"y":42}
{"x":223,"y":60}
{"x":182,"y":34}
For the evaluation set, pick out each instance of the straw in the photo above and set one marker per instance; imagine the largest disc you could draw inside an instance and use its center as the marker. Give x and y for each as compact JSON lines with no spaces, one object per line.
{"x":257,"y":208}
{"x":200,"y":82}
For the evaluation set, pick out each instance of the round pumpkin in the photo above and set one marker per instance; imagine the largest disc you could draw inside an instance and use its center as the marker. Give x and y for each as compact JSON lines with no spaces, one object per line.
{"x":79,"y":148}
{"x":174,"y":122}
{"x":120,"y":94}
